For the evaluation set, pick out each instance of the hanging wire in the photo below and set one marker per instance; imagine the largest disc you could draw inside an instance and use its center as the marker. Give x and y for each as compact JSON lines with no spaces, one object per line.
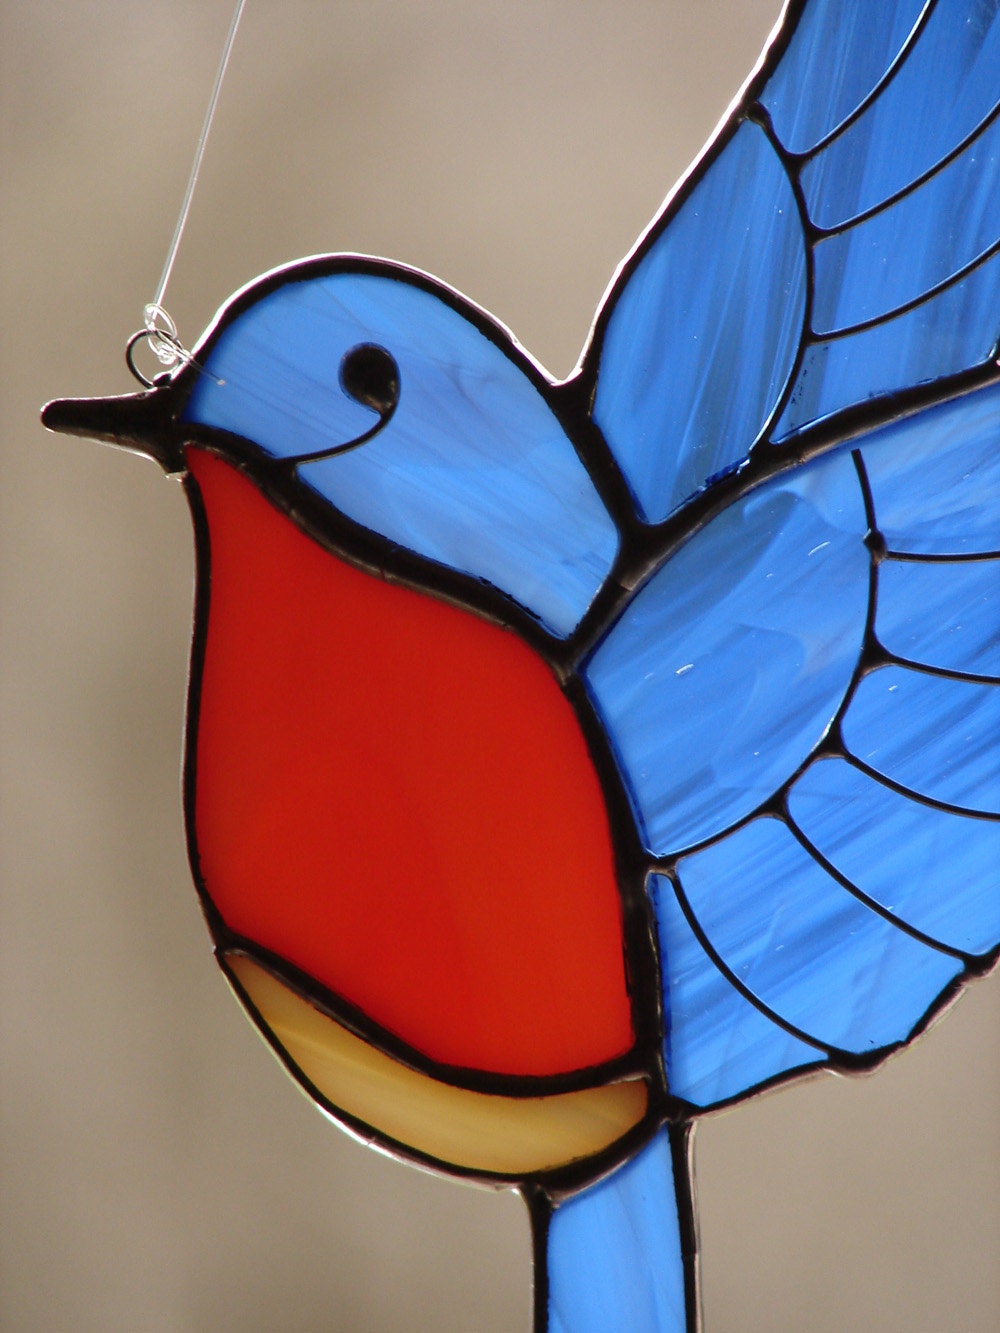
{"x":159,"y":330}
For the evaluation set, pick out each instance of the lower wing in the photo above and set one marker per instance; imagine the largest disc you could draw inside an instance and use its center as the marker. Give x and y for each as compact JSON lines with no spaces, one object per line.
{"x":804,"y":703}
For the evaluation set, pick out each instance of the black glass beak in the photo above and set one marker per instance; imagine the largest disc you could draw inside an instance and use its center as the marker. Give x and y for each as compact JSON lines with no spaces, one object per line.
{"x":144,"y":423}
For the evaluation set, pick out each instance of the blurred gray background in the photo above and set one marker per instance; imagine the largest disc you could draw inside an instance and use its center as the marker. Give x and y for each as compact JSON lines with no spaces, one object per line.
{"x":157,"y":1170}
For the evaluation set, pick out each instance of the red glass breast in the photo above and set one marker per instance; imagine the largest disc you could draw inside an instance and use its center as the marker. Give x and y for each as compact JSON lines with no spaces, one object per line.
{"x":396,"y":796}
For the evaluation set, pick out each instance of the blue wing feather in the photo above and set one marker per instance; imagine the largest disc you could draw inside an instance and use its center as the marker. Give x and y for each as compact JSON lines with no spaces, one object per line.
{"x":952,"y":332}
{"x":935,"y":479}
{"x":718,"y":1044}
{"x":934,"y":869}
{"x":718,"y":298}
{"x":843,"y":52}
{"x":933,"y":735}
{"x":897,"y":255}
{"x":942,"y":91}
{"x":911,"y":190}
{"x":944,"y":613}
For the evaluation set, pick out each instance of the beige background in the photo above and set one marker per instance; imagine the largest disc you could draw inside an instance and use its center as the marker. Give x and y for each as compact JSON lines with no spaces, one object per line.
{"x":158,"y":1171}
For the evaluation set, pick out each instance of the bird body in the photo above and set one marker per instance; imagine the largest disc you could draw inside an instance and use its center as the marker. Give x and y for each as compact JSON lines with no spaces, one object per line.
{"x":323,"y":688}
{"x":411,"y":913}
{"x":568,"y":759}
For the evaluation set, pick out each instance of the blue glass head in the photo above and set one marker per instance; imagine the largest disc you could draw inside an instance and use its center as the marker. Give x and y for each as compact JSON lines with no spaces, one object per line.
{"x":452,"y":449}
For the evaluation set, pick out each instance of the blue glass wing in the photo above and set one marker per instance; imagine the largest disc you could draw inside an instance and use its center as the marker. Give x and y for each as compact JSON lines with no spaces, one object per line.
{"x":804,"y":704}
{"x":836,"y":246}
{"x":803,"y":696}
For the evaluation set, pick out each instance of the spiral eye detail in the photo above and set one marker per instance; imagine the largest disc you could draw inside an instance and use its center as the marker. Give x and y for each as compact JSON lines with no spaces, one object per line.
{"x":369,"y":375}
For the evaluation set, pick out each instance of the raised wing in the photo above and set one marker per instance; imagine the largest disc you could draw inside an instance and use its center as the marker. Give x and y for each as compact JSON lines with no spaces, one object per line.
{"x":835,"y":247}
{"x":803,"y":695}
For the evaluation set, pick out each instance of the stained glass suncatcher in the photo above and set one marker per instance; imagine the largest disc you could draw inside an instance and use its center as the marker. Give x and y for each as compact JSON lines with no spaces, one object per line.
{"x":809,"y":628}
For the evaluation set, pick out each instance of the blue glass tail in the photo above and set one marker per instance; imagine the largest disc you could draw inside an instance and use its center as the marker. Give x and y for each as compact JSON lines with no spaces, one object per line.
{"x":621,"y":1253}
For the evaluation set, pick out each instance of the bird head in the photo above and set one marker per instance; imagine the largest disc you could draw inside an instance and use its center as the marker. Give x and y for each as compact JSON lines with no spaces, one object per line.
{"x":396,"y":406}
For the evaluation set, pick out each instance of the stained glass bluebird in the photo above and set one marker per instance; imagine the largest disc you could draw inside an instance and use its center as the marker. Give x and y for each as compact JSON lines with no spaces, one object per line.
{"x":567,"y":759}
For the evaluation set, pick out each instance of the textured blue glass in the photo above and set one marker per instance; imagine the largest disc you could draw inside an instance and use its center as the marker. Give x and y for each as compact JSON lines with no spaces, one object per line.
{"x":718,"y":1045}
{"x":729,"y":665}
{"x":702,"y":339}
{"x":833,"y":62}
{"x":473,"y":470}
{"x":935,"y":736}
{"x":935,"y":478}
{"x":947,"y":333}
{"x":806,"y":948}
{"x":898,"y":255}
{"x":945,"y":88}
{"x":943,"y":613}
{"x":614,"y":1254}
{"x":939,"y":872}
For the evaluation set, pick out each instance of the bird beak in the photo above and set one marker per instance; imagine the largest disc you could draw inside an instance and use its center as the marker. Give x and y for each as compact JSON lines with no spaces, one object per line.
{"x":144,"y":423}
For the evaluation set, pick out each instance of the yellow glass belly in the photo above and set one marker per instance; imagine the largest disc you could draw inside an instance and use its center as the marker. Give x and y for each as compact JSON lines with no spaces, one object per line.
{"x":509,"y":1136}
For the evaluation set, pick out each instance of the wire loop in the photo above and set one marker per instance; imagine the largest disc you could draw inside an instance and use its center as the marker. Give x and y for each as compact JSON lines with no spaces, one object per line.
{"x":160,"y":335}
